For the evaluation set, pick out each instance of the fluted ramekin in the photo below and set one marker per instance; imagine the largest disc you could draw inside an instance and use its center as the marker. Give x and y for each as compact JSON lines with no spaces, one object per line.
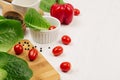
{"x":46,"y":36}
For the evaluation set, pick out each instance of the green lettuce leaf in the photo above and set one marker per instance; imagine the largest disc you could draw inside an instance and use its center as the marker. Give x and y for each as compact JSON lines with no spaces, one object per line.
{"x":1,"y":18}
{"x":36,"y":21}
{"x":3,"y":74}
{"x":10,"y":33}
{"x":45,"y":5}
{"x":16,"y":68}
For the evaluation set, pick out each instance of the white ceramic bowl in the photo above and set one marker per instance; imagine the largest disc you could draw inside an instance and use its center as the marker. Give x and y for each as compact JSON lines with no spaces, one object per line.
{"x":23,"y":5}
{"x":46,"y":36}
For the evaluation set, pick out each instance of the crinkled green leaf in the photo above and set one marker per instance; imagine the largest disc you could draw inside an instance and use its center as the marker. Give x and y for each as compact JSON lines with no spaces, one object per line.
{"x":16,"y":68}
{"x":35,"y":20}
{"x":3,"y":74}
{"x":45,"y":5}
{"x":10,"y":33}
{"x":1,"y":17}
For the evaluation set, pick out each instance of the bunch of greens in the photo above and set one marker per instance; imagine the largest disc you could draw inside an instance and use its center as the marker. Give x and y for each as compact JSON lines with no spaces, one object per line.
{"x":45,"y":5}
{"x":35,"y":20}
{"x":10,"y":33}
{"x":1,"y":17}
{"x":13,"y":68}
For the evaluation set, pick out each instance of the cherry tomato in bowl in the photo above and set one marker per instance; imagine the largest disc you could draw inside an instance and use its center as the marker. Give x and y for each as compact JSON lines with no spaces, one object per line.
{"x":52,"y":27}
{"x":76,"y":12}
{"x":18,"y":49}
{"x":33,"y":53}
{"x":66,"y":39}
{"x":65,"y":66}
{"x":58,"y":50}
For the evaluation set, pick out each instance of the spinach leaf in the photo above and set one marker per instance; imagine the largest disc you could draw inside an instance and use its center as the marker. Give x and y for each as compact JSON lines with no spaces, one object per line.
{"x":16,"y":68}
{"x":10,"y":33}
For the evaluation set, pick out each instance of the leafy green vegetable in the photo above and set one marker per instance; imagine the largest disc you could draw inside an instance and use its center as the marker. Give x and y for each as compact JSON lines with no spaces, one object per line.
{"x":10,"y":33}
{"x":16,"y":68}
{"x":45,"y":5}
{"x":3,"y":74}
{"x":1,"y":18}
{"x":36,"y":21}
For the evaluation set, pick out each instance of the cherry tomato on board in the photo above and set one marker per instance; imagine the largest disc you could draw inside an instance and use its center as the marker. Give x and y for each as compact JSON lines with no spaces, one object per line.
{"x":33,"y":53}
{"x":66,"y":39}
{"x":76,"y":12}
{"x":65,"y":66}
{"x":52,"y":27}
{"x":18,"y":49}
{"x":58,"y":50}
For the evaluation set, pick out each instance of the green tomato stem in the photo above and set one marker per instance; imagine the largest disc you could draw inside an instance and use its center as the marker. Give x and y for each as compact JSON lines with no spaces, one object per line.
{"x":60,"y":1}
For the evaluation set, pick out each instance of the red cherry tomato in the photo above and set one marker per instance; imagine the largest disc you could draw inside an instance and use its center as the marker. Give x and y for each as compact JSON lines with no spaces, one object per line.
{"x":33,"y":53}
{"x":76,"y":12}
{"x":65,"y":66}
{"x":58,"y":50}
{"x":66,"y":39}
{"x":18,"y":49}
{"x":52,"y":27}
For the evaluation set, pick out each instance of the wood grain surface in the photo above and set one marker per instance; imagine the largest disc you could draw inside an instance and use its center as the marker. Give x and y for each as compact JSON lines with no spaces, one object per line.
{"x":41,"y":68}
{"x":8,"y":1}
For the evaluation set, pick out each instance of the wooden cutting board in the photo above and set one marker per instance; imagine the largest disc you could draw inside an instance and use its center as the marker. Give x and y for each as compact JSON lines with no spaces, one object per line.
{"x":41,"y":68}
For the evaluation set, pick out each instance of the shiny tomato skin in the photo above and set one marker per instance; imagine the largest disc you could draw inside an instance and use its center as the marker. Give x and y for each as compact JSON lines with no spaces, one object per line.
{"x":65,"y":66}
{"x":63,"y":12}
{"x":52,"y":27}
{"x":58,"y":50}
{"x":66,"y":39}
{"x":18,"y":49}
{"x":33,"y":53}
{"x":76,"y":12}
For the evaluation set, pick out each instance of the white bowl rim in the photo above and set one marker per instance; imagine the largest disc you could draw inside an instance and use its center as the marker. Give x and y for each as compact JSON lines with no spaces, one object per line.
{"x":26,"y":6}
